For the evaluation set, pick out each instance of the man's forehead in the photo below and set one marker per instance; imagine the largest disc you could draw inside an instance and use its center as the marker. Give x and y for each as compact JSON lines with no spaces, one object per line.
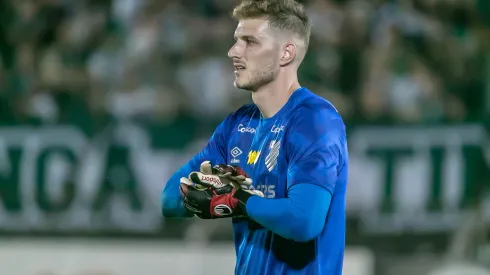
{"x":252,"y":27}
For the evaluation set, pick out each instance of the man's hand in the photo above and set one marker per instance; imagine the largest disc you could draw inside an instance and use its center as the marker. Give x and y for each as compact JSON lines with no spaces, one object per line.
{"x":217,"y":192}
{"x":238,"y":176}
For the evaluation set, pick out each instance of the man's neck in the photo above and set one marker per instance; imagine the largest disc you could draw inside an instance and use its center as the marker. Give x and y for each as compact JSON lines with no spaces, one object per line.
{"x":273,"y":96}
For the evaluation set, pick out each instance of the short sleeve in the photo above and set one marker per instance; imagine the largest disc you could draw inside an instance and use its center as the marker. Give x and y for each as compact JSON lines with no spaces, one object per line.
{"x":316,"y":151}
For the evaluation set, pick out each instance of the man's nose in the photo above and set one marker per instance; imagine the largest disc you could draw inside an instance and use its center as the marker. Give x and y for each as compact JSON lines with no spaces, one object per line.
{"x":234,"y":51}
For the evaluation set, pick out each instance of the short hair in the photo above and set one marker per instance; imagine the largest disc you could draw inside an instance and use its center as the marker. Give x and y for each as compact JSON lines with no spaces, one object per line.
{"x":282,"y":14}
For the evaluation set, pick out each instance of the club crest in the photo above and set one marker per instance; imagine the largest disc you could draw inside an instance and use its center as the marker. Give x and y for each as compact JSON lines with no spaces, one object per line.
{"x":271,"y":158}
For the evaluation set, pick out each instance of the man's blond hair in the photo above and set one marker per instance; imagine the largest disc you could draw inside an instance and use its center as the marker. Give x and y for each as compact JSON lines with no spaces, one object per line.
{"x":286,"y":15}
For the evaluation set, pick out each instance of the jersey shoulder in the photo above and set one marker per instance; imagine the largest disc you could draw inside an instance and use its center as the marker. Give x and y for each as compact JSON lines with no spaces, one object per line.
{"x":315,"y":109}
{"x":314,"y":124}
{"x":315,"y":119}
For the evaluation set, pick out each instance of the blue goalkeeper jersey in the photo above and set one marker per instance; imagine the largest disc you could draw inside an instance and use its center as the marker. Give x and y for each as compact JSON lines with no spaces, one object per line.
{"x":304,"y":143}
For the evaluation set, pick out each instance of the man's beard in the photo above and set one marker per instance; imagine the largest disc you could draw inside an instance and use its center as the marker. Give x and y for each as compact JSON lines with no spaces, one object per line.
{"x":258,"y":79}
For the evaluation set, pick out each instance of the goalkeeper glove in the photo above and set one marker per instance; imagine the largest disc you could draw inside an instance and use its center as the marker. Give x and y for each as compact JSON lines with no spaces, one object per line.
{"x":217,"y":192}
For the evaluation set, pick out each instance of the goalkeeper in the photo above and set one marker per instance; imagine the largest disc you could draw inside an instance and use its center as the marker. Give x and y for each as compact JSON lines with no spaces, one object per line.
{"x":285,"y":192}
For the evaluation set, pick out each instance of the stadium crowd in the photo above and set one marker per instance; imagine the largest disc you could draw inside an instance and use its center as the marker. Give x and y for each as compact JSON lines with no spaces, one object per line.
{"x":164,"y":62}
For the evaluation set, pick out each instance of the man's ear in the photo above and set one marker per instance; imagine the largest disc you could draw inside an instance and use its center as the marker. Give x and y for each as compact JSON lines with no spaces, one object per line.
{"x":288,"y":54}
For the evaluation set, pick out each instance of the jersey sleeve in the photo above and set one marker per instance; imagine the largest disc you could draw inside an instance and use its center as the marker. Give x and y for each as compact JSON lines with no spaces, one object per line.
{"x":171,"y":202}
{"x":316,"y":150}
{"x":214,"y":150}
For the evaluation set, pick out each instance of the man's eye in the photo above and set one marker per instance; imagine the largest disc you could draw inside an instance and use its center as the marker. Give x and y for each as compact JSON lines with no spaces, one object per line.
{"x":251,"y":42}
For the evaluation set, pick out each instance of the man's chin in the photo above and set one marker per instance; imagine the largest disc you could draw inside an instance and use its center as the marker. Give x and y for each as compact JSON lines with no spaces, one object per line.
{"x":242,"y":86}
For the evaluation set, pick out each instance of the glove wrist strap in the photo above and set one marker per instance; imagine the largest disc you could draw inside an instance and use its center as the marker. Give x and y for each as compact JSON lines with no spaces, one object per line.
{"x":242,"y":197}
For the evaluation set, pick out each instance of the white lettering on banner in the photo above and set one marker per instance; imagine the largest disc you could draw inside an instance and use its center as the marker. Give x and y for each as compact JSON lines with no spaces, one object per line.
{"x":136,"y":257}
{"x":53,"y":179}
{"x":411,"y":179}
{"x":243,"y":129}
{"x":56,"y":180}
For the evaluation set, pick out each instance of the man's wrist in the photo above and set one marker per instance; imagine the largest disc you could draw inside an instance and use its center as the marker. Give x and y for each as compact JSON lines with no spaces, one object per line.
{"x":242,"y":197}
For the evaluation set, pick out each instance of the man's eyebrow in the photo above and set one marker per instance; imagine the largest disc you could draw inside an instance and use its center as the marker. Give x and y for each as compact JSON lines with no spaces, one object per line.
{"x":244,"y":37}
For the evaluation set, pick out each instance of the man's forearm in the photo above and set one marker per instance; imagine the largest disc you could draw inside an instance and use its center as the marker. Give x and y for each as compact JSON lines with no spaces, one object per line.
{"x":171,"y":200}
{"x":300,"y":217}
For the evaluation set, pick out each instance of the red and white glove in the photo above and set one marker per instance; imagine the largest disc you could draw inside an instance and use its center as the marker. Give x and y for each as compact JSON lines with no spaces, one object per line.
{"x":217,"y":192}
